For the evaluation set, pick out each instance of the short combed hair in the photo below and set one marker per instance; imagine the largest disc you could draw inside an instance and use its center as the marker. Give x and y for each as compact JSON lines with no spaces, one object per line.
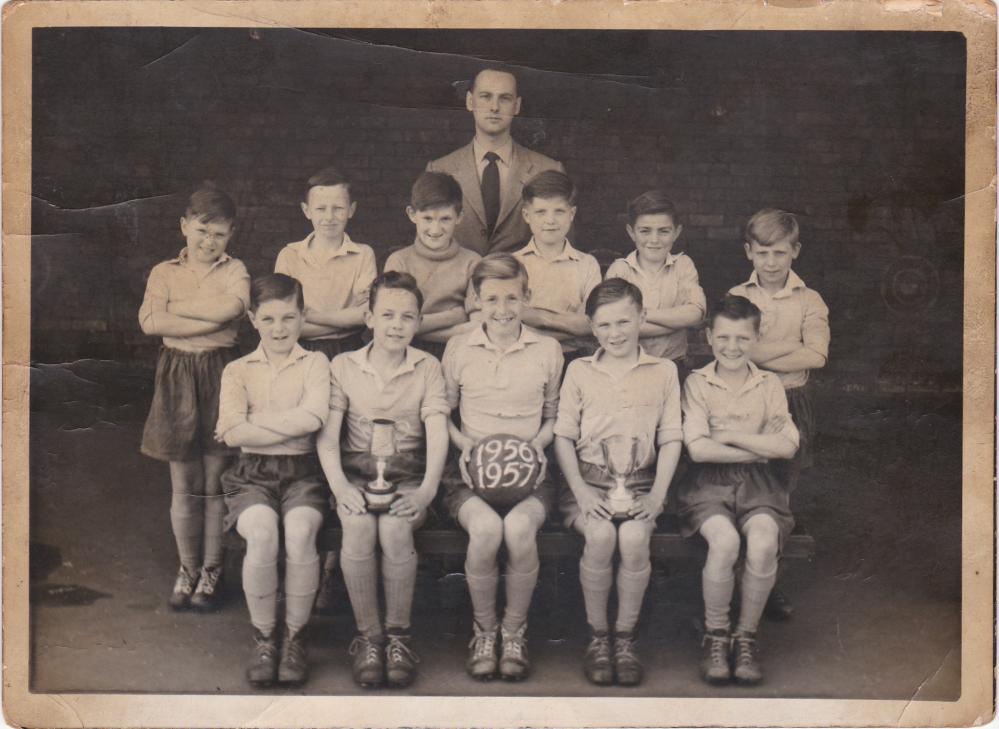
{"x":652,"y":202}
{"x":611,"y":290}
{"x":435,"y":190}
{"x":735,"y":308}
{"x":770,"y":226}
{"x":549,"y":184}
{"x":209,"y":203}
{"x":275,"y":286}
{"x":326,"y":177}
{"x":395,"y":280}
{"x":499,"y":266}
{"x":497,"y":68}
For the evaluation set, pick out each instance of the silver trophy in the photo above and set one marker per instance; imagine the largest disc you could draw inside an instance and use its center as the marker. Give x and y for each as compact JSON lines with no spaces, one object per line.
{"x":380,"y":493}
{"x":620,"y":454}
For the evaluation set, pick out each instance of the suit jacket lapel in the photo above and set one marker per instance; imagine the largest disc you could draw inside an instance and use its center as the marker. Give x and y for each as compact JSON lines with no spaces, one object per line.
{"x":467,"y":176}
{"x":521,"y":171}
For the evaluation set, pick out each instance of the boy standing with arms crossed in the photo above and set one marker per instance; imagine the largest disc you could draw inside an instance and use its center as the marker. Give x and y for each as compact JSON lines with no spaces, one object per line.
{"x":794,"y":336}
{"x":194,"y":303}
{"x":618,"y":392}
{"x":272,"y":402}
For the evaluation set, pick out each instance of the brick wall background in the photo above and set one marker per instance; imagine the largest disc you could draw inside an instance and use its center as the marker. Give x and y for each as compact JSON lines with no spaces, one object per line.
{"x":862,"y":134}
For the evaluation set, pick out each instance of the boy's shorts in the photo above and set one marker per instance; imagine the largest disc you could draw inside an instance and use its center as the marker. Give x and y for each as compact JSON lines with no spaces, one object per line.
{"x":332,"y":347}
{"x":185,"y":408}
{"x":737,"y":491}
{"x":405,"y":469}
{"x":799,"y":404}
{"x":278,"y":481}
{"x":639,"y":482}
{"x":455,"y":492}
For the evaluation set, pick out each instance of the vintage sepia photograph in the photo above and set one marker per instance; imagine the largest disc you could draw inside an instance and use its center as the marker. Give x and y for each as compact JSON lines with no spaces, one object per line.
{"x":386,"y":362}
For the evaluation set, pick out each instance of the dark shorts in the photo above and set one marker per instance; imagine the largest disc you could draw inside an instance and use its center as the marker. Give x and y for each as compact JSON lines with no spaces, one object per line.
{"x":332,"y":347}
{"x":799,"y":403}
{"x":405,"y":469}
{"x":737,"y":491}
{"x":185,"y":407}
{"x":454,"y":492}
{"x":280,"y":482}
{"x":638,"y":482}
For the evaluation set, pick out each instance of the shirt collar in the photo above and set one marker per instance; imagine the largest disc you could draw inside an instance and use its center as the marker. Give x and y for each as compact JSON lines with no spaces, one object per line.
{"x":479,"y":338}
{"x":793,"y":282}
{"x":259,"y":356}
{"x":304,"y":249}
{"x":181,"y":259}
{"x":505,"y":153}
{"x":568,"y":252}
{"x":596,"y":360}
{"x":711,"y":375}
{"x":413,"y":357}
{"x":632,"y":260}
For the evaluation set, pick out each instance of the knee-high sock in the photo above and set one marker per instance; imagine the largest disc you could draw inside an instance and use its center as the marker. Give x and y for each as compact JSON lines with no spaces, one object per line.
{"x":361,"y":577}
{"x":631,"y":588}
{"x":596,"y":592}
{"x":301,"y":580}
{"x":214,"y":511}
{"x":399,"y":580}
{"x":755,"y":591}
{"x":519,"y":590}
{"x":260,"y":584}
{"x":482,"y":589}
{"x":187,"y":517}
{"x":717,"y":589}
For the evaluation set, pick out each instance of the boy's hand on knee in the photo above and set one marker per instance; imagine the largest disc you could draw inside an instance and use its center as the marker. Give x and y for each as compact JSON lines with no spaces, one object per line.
{"x":409,"y":506}
{"x":543,"y":460}
{"x":646,"y":508}
{"x":592,"y":504}
{"x":351,"y":498}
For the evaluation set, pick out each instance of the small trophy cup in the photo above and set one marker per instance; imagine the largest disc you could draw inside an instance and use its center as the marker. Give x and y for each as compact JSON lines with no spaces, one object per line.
{"x":620,"y":458}
{"x":380,"y":493}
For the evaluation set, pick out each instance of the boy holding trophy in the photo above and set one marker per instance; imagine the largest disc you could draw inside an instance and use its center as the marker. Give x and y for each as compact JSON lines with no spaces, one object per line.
{"x":616,"y":408}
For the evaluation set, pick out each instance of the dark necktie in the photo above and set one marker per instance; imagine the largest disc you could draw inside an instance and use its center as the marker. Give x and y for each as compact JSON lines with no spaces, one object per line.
{"x":491,"y":190}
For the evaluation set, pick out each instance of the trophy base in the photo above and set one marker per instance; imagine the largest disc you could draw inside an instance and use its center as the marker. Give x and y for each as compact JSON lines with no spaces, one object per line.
{"x":620,"y":509}
{"x":380,"y":500}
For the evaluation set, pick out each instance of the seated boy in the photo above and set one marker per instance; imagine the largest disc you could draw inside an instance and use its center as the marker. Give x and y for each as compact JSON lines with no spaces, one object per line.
{"x":272,"y":402}
{"x":440,"y":265}
{"x":794,"y":337}
{"x":561,"y":276}
{"x":674,"y":300}
{"x":194,"y":302}
{"x":622,"y":393}
{"x":335,"y":272}
{"x":386,"y":380}
{"x":505,"y":378}
{"x":735,"y":421}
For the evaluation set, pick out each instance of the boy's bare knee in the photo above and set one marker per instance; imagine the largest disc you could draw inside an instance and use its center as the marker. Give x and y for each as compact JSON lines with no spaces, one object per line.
{"x":633,"y":542}
{"x":762,"y":543}
{"x":485,"y":529}
{"x":360,"y":532}
{"x":723,"y":541}
{"x":519,"y":527}
{"x":300,"y":529}
{"x":395,"y":536}
{"x":258,"y":525}
{"x":601,"y":540}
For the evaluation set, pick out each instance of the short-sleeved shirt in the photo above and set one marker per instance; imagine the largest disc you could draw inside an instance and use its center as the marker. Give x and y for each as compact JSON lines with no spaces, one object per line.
{"x":562,"y":283}
{"x":675,"y":284}
{"x":508,"y":392}
{"x":796,"y":313}
{"x":759,"y":406}
{"x":251,"y":384}
{"x":441,"y":275}
{"x":177,"y":280}
{"x":643,"y":402}
{"x":341,"y":281}
{"x":412,"y":394}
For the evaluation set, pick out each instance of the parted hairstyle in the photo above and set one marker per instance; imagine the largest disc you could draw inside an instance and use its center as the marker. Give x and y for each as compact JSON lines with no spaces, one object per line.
{"x":500,"y":266}
{"x":769,"y":226}
{"x":734,"y":308}
{"x":326,"y":177}
{"x":611,"y":290}
{"x":550,"y":184}
{"x":275,"y":286}
{"x":209,"y":203}
{"x":652,"y":202}
{"x":435,"y":190}
{"x":498,"y":68}
{"x":395,"y":280}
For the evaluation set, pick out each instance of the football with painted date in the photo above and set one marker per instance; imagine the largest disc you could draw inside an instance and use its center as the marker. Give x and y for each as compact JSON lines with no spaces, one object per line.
{"x":504,"y":469}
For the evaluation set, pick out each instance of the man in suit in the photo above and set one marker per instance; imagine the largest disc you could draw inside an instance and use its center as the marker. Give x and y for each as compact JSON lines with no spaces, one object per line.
{"x":493,"y":169}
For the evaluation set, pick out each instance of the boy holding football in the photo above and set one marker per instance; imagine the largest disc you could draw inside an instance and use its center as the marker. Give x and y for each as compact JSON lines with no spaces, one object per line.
{"x":619,"y":397}
{"x":504,"y":378}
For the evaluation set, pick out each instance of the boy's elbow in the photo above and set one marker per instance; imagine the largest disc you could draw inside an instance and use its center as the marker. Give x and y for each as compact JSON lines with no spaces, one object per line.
{"x":788,"y":448}
{"x":696,"y":451}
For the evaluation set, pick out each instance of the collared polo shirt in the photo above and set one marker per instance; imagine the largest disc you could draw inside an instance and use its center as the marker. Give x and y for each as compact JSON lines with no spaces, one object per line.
{"x":796,"y":313}
{"x":341,"y":281}
{"x":443,"y":277}
{"x":759,"y":406}
{"x":177,"y":280}
{"x":562,"y":283}
{"x":412,"y":394}
{"x":675,"y":284}
{"x":508,"y":392}
{"x":643,"y":402}
{"x":251,"y":384}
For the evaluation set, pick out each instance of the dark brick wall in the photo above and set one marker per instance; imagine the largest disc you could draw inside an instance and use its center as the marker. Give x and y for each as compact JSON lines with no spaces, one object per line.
{"x":860,"y":133}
